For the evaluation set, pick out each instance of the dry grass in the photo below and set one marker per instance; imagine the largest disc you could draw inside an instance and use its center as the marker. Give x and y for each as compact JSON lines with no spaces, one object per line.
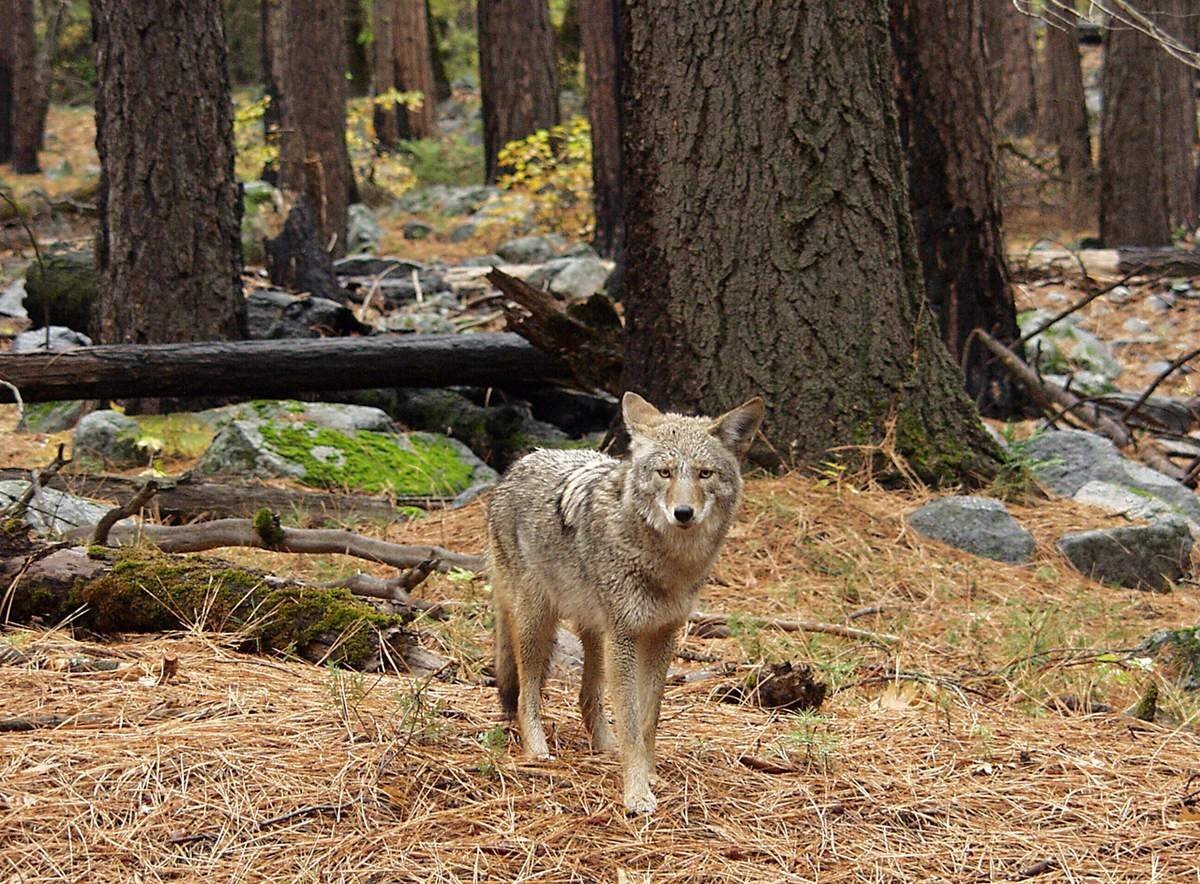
{"x":961,"y":768}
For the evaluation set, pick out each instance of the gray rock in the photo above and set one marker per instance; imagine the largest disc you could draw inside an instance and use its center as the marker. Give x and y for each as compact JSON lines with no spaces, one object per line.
{"x":581,"y":250}
{"x":272,"y":315}
{"x":12,"y":301}
{"x":1136,"y":326}
{"x":61,"y":290}
{"x":331,"y":415}
{"x":531,"y":249}
{"x":1064,"y":347}
{"x":978,"y":525}
{"x":1158,"y":367}
{"x":1181,"y":650}
{"x":542,"y":276}
{"x":416,"y":230}
{"x":1150,"y":557}
{"x":60,"y":339}
{"x":373,"y":265}
{"x":1181,"y":288}
{"x":421,"y":464}
{"x":465,"y":200}
{"x":1068,"y":460}
{"x":1122,"y":501}
{"x":1120,"y":295}
{"x":581,"y":278}
{"x":1161,"y":302}
{"x":54,"y":511}
{"x":422,"y":323}
{"x":110,"y":438}
{"x":482,"y":261}
{"x":363,"y":232}
{"x":51,"y":417}
{"x":463,"y":232}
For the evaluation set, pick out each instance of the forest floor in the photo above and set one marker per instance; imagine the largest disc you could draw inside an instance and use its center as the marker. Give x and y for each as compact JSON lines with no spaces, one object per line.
{"x":987,"y":743}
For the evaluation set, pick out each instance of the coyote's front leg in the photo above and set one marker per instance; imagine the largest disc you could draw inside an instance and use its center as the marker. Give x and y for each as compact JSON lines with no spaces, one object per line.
{"x":639,"y":667}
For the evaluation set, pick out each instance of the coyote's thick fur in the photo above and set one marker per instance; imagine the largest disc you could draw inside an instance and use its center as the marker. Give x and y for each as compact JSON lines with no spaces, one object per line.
{"x":619,"y":547}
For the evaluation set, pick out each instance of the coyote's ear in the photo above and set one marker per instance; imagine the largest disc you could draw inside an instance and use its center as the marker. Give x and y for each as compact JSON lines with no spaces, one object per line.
{"x":639,"y":414}
{"x":737,"y":428}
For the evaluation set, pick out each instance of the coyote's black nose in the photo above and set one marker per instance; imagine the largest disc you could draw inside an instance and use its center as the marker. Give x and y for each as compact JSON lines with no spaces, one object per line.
{"x":683,"y":514}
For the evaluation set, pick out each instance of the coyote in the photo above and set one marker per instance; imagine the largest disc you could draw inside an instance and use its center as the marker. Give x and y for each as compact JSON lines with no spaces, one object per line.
{"x":619,"y":547}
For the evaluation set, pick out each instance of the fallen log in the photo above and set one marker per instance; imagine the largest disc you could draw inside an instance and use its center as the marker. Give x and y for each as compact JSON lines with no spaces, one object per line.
{"x":1049,"y":396}
{"x":183,"y":500}
{"x":275,"y":368}
{"x":259,"y":534}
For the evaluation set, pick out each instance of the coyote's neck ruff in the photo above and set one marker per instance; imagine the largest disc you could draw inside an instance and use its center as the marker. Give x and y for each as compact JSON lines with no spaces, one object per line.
{"x":620,"y":547}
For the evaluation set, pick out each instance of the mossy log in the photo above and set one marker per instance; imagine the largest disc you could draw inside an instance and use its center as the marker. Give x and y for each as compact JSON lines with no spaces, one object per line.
{"x":109,"y":592}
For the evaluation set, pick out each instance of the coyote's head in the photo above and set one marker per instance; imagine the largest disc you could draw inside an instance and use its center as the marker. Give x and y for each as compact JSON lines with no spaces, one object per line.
{"x":685,"y":471}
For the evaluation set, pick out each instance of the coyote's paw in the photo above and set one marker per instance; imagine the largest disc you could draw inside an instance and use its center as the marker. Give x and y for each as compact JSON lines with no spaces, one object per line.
{"x":641,"y":801}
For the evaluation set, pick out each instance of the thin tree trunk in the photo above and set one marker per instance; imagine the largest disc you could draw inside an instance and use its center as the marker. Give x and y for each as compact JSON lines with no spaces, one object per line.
{"x":1067,"y":111}
{"x":441,"y":82}
{"x":271,"y":12}
{"x":26,"y":138}
{"x":414,"y":68}
{"x":599,"y":26}
{"x":168,"y":250}
{"x":569,"y":40}
{"x":517,"y":74}
{"x":7,"y":63}
{"x":314,"y":164}
{"x":770,"y":248}
{"x":383,"y":71}
{"x":946,"y":127}
{"x":1179,"y":119}
{"x":1134,"y":206}
{"x":53,"y":12}
{"x":1012,"y":62}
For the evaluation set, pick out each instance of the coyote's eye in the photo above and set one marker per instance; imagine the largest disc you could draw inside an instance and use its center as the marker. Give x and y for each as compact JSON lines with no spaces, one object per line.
{"x":666,"y":474}
{"x":705,"y":474}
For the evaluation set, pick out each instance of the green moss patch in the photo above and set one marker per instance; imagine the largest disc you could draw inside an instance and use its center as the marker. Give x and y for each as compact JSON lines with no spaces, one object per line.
{"x":371,"y":461}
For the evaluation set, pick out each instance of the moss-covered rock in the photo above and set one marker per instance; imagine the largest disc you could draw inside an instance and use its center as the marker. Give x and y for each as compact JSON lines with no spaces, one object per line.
{"x":51,"y":417}
{"x":412,"y":464}
{"x":63,"y":287}
{"x":142,"y":590}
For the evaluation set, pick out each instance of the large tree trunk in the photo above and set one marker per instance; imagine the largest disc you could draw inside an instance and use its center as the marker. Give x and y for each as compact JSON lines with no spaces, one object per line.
{"x":769,"y":244}
{"x":517,"y":74}
{"x":599,"y":26}
{"x":1145,"y":138}
{"x":1009,"y":36}
{"x":168,"y":250}
{"x":26,"y":137}
{"x":314,"y":164}
{"x":946,"y":128}
{"x":414,"y":68}
{"x":7,"y":61}
{"x":1067,"y":111}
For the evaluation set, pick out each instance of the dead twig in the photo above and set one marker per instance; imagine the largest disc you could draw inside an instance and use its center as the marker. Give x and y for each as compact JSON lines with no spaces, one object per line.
{"x":883,"y":638}
{"x":117,"y":513}
{"x":1080,"y":304}
{"x":39,"y":478}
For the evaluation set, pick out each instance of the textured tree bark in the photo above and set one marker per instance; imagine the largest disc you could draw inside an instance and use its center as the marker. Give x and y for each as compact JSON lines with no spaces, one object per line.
{"x":414,"y":68}
{"x":168,"y":249}
{"x":1067,"y":111}
{"x":383,"y":71}
{"x":26,"y":138}
{"x":1179,"y":117}
{"x":599,"y":26}
{"x":1135,"y":207}
{"x":441,"y":82}
{"x":569,"y":39}
{"x":271,"y":45}
{"x":945,"y":126}
{"x":314,"y":164}
{"x":517,"y":73}
{"x":1012,"y":63}
{"x":7,"y":61}
{"x":769,"y":245}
